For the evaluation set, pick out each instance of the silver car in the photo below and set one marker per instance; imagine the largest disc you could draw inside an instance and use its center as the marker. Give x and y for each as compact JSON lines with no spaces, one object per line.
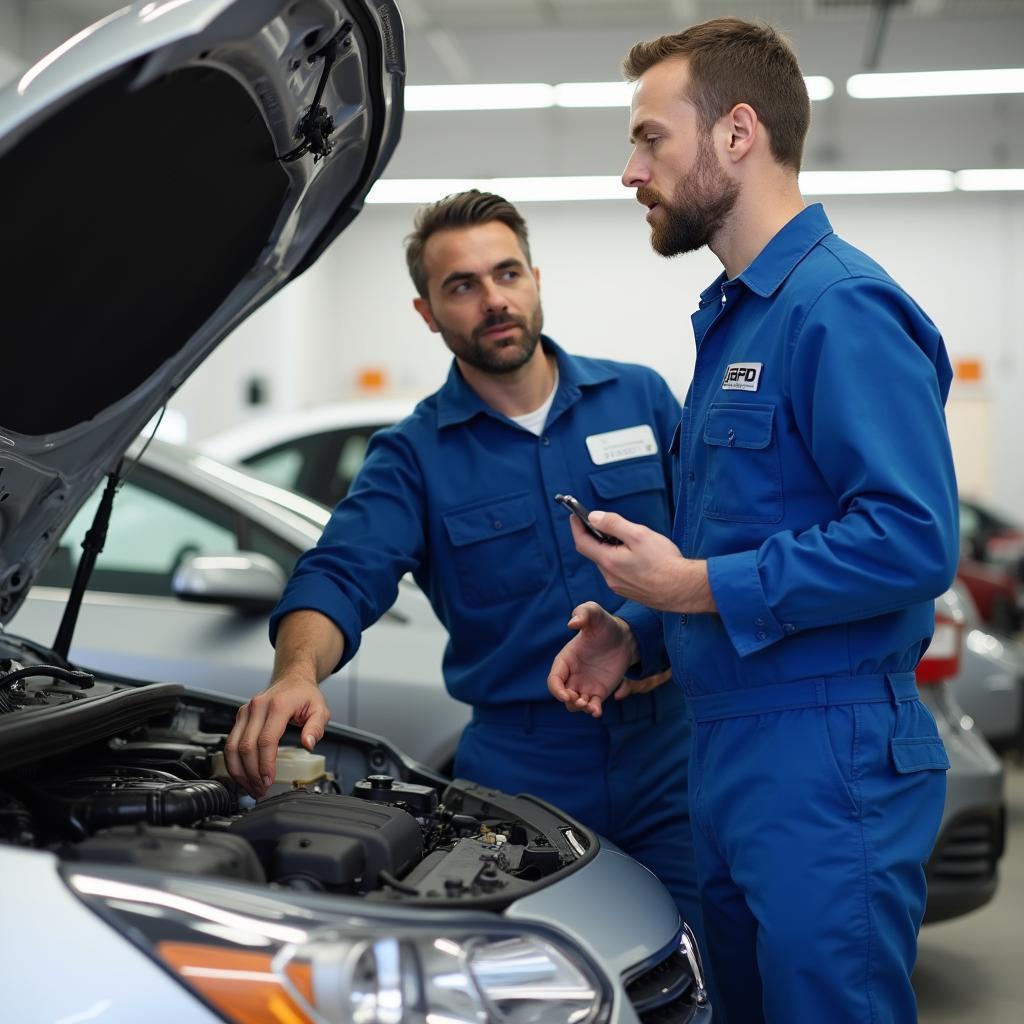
{"x":196,"y":556}
{"x":963,"y":869}
{"x":173,"y":167}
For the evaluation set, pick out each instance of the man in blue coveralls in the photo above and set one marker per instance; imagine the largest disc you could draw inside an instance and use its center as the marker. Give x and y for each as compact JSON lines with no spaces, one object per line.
{"x":815,"y":523}
{"x":460,"y":494}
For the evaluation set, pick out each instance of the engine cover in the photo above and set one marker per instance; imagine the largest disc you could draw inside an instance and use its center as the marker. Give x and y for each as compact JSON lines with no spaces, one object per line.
{"x":390,"y":839}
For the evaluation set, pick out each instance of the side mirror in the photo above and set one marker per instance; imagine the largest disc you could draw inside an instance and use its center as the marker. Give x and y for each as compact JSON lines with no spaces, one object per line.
{"x":245,"y":580}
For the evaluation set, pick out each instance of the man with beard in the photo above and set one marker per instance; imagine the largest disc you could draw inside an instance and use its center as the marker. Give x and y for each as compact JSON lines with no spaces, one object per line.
{"x":816,"y":522}
{"x":460,"y":494}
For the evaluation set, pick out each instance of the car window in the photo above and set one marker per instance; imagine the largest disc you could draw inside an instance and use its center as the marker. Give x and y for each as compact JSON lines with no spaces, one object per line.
{"x":256,"y":538}
{"x":320,"y":466}
{"x":155,"y":524}
{"x":280,"y":467}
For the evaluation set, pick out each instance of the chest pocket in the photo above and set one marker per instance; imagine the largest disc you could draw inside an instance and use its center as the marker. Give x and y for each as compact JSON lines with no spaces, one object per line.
{"x":744,"y":476}
{"x":496,"y":549}
{"x":636,"y":491}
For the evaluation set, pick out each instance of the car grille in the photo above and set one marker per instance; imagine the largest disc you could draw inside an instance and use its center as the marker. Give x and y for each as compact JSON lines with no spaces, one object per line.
{"x":968,"y":849}
{"x":664,"y":993}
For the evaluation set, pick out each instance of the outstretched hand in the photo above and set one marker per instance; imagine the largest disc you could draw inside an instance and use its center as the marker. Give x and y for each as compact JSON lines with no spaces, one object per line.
{"x":251,"y":749}
{"x":591,"y":666}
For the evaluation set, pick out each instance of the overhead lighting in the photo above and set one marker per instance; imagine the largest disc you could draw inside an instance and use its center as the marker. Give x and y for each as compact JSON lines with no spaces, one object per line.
{"x":608,"y":186}
{"x":863,"y":183}
{"x":521,"y":96}
{"x":539,"y":95}
{"x":991,"y":179}
{"x":516,"y":190}
{"x":894,"y":85}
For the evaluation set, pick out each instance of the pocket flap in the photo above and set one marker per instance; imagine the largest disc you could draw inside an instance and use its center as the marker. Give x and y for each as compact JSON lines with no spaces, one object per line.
{"x":495,"y":519}
{"x":918,"y":754}
{"x":739,"y":426}
{"x":623,"y":480}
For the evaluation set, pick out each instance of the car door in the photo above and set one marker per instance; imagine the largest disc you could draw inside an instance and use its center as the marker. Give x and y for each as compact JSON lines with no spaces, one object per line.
{"x":130,"y":622}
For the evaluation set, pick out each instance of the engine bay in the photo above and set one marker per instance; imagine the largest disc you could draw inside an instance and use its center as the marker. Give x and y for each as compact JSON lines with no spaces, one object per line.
{"x":139,"y":780}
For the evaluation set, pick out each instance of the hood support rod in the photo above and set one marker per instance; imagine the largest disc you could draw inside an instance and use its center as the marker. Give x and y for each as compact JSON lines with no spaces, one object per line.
{"x":92,"y":545}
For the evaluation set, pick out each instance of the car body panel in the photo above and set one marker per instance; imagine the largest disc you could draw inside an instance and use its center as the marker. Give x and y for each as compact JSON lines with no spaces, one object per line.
{"x":218,"y":649}
{"x":239,"y":77}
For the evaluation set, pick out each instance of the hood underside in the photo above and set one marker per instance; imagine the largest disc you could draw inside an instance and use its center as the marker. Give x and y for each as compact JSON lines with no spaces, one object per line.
{"x":161,"y":178}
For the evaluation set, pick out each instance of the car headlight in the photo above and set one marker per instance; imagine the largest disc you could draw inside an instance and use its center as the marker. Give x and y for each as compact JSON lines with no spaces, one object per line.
{"x":279,"y":958}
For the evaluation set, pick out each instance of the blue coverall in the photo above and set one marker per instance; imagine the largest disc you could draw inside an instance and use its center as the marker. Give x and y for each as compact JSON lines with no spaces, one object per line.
{"x":462,"y":497}
{"x":817,"y":481}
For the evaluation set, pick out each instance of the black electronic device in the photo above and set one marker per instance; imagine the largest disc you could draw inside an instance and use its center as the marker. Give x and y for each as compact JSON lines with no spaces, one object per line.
{"x":578,"y":510}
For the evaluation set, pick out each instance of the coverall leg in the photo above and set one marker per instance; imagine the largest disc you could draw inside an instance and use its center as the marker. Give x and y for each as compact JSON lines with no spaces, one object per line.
{"x":810,"y":850}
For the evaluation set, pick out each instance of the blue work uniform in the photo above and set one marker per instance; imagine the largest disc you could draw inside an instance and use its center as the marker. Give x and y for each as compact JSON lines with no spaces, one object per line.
{"x":817,"y":482}
{"x":462,"y":497}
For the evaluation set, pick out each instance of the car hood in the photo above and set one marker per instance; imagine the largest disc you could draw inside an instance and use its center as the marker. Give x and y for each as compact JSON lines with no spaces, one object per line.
{"x":161,"y":179}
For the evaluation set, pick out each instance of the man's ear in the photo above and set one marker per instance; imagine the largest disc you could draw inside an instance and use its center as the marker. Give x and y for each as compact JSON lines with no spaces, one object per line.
{"x":536,"y":276}
{"x":422,"y":306}
{"x":742,"y":127}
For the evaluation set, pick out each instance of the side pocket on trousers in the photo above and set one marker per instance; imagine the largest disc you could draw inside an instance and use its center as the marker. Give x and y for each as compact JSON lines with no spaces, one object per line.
{"x":918,"y":754}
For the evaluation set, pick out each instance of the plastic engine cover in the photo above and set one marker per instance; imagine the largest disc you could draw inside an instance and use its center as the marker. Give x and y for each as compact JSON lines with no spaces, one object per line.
{"x":390,"y":838}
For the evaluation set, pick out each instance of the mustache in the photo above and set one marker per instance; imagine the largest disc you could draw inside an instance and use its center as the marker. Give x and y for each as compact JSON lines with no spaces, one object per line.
{"x":497,"y":320}
{"x":649,"y":197}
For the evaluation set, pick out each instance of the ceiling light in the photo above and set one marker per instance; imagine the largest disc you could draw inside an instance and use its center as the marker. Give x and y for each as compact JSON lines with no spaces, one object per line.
{"x":936,"y":83}
{"x":990,"y":179}
{"x":519,"y":96}
{"x":538,"y":95}
{"x":608,"y":186}
{"x":851,"y":183}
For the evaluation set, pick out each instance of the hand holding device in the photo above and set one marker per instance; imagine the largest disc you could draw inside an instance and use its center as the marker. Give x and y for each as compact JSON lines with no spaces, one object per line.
{"x":583,"y":516}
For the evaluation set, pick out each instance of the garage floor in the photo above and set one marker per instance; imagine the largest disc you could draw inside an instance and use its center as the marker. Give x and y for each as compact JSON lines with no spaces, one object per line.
{"x":971,"y":969}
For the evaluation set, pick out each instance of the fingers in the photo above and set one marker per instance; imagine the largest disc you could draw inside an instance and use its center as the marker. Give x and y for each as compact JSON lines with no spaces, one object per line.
{"x":251,"y":748}
{"x":558,"y":680}
{"x":584,"y":615}
{"x":615,"y":526}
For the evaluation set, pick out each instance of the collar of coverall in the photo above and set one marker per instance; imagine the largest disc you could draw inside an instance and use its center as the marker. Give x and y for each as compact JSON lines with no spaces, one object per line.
{"x":457,"y":402}
{"x":777,"y":260}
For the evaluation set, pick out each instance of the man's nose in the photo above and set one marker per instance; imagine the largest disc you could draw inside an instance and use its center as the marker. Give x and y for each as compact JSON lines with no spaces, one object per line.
{"x":494,"y":298}
{"x":636,"y":174}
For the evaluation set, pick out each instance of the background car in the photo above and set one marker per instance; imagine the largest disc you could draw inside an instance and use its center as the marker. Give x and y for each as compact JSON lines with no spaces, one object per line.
{"x":162,"y":606}
{"x":963,"y":869}
{"x":992,"y":537}
{"x":316,"y":452}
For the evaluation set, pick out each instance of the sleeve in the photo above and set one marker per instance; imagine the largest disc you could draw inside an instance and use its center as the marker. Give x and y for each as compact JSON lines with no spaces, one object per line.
{"x":374,"y":536}
{"x":869,"y":376}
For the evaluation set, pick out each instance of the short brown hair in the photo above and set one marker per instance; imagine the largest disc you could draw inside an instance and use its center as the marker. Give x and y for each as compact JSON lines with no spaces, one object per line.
{"x":734,"y":61}
{"x":462,"y":210}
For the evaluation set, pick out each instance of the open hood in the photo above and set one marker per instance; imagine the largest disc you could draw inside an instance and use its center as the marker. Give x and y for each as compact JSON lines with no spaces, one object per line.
{"x":162,"y":174}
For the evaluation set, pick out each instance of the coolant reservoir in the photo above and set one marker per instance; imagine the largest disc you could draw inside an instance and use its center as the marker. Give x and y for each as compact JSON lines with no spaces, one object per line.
{"x":296,"y":767}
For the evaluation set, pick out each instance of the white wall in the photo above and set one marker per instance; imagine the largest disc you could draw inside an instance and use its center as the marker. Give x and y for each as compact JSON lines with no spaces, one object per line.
{"x":606,"y":293}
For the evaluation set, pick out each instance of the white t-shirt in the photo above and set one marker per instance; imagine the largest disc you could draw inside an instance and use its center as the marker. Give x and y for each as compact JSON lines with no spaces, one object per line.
{"x":534,"y":421}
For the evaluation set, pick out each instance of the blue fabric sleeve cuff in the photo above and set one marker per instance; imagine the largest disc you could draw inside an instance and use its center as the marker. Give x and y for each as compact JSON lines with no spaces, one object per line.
{"x":313,"y":593}
{"x":650,"y":639}
{"x":742,"y":605}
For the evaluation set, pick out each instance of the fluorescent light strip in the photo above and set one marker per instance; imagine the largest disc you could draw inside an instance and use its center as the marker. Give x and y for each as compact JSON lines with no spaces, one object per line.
{"x":936,"y":83}
{"x":863,"y":183}
{"x":991,"y":179}
{"x":603,"y":187}
{"x":538,"y":95}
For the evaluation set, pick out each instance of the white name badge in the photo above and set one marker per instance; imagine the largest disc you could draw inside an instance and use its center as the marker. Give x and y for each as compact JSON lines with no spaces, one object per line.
{"x":742,"y":377}
{"x":627,"y":443}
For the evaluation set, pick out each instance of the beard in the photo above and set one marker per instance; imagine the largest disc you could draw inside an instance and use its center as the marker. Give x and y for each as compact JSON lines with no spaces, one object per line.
{"x":506,"y":355}
{"x":702,"y":201}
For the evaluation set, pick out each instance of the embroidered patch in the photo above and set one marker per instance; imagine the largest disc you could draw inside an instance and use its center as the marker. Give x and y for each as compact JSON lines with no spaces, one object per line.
{"x":627,"y":443}
{"x":742,"y":377}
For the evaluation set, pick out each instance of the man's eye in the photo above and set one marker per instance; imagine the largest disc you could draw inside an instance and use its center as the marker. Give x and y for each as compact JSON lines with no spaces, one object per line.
{"x":652,"y":139}
{"x":510,"y":275}
{"x":461,"y":288}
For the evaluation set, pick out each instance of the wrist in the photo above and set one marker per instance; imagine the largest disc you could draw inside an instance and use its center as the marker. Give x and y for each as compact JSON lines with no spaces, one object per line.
{"x":692,"y":593}
{"x":628,"y":639}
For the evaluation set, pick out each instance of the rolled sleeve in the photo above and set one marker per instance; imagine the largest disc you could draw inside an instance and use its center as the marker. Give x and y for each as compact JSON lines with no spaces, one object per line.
{"x":742,"y":603}
{"x":318,"y":594}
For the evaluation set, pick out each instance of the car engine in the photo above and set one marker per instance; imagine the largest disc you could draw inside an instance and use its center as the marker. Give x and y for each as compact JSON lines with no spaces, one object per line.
{"x":355,"y":818}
